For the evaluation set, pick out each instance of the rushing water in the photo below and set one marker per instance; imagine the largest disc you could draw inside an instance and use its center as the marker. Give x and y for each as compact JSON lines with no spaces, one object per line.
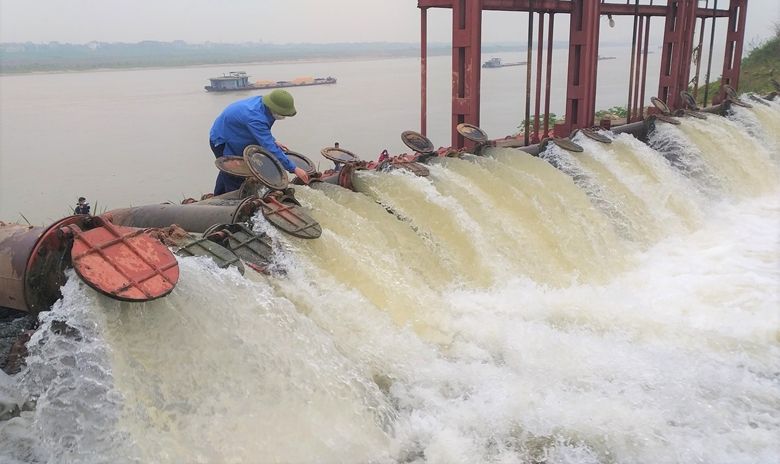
{"x":622,"y":308}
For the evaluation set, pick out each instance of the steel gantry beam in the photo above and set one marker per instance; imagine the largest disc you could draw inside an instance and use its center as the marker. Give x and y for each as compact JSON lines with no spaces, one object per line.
{"x":466,"y":64}
{"x":677,"y":51}
{"x":678,"y":48}
{"x":583,"y":67}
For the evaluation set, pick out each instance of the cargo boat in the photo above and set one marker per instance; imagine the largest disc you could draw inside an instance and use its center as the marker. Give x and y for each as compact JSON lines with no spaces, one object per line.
{"x":239,"y":80}
{"x":496,"y":63}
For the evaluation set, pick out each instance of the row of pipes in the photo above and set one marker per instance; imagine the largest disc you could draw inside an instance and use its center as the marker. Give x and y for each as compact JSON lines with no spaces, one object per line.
{"x":126,"y":253}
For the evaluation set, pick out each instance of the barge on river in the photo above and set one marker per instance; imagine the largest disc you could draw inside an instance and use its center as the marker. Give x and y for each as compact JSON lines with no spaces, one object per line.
{"x":497,"y":63}
{"x":239,"y":80}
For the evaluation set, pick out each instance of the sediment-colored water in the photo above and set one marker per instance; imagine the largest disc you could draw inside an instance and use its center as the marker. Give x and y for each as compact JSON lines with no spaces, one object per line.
{"x":623,"y":307}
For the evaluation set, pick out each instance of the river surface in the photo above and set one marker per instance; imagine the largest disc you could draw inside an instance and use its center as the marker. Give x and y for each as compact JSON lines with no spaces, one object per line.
{"x":619,"y":305}
{"x":140,"y":136}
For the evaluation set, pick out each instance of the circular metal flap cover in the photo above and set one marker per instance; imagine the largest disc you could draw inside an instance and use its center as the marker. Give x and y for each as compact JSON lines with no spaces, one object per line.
{"x":731,"y":92}
{"x":301,"y":161}
{"x":416,"y":168}
{"x":775,"y":84}
{"x":417,"y":142}
{"x":234,"y":165}
{"x":758,"y":100}
{"x":658,"y":103}
{"x":740,"y":103}
{"x":291,"y":218}
{"x":124,"y":263}
{"x":266,"y":168}
{"x":689,"y":100}
{"x":667,"y":118}
{"x":595,"y":135}
{"x":695,"y":114}
{"x":567,"y":144}
{"x":473,"y":133}
{"x":339,"y":155}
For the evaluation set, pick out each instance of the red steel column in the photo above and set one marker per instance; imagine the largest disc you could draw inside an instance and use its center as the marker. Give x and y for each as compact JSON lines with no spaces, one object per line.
{"x":466,"y":62}
{"x":424,"y":71}
{"x":537,"y":108}
{"x":677,"y":51}
{"x":735,"y":39}
{"x":583,"y":66}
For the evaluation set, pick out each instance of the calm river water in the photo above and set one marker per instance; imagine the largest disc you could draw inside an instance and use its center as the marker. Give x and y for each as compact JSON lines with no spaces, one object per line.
{"x":135,"y":137}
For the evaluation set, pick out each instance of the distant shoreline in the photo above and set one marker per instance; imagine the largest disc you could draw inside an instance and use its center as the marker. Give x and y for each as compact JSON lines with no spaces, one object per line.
{"x":211,"y":65}
{"x":25,"y":59}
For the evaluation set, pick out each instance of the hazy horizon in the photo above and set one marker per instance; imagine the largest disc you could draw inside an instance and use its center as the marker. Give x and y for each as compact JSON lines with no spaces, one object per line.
{"x":283,"y":22}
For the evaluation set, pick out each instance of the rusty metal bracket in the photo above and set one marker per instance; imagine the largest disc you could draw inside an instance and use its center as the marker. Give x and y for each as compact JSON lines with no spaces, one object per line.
{"x":758,"y":99}
{"x":567,"y":144}
{"x":254,"y":250}
{"x":666,"y":118}
{"x":399,"y":162}
{"x":738,"y":103}
{"x":191,"y":246}
{"x":593,"y":135}
{"x":692,"y":113}
{"x":290,"y":218}
{"x":283,"y":196}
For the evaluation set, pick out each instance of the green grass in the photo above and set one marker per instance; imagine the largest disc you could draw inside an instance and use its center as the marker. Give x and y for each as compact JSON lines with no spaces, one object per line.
{"x":760,"y":65}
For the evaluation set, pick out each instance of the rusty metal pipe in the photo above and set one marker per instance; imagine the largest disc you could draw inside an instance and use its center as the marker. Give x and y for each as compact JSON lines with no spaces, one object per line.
{"x":193,"y":217}
{"x":32,"y":264}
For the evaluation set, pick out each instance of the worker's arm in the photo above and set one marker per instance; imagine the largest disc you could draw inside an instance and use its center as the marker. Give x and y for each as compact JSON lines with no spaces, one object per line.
{"x":261,"y":131}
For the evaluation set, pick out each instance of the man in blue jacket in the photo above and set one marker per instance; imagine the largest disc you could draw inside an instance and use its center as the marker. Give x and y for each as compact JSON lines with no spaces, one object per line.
{"x":248,"y":122}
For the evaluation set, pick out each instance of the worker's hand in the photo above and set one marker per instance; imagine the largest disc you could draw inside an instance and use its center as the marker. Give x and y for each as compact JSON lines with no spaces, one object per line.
{"x":282,"y":146}
{"x":301,"y":175}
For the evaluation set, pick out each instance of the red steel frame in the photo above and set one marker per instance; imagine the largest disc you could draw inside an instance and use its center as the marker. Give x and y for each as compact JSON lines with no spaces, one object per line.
{"x":677,"y":51}
{"x":583,"y":66}
{"x":680,"y":16}
{"x":466,"y":64}
{"x":735,"y":38}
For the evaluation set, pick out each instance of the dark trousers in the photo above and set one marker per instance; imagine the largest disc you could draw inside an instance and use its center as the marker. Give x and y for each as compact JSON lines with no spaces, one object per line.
{"x":225,"y":182}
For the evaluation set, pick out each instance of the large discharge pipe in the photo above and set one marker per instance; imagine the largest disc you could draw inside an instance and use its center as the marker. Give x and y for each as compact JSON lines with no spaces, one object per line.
{"x":32,"y":266}
{"x":121,"y":263}
{"x":194,"y":217}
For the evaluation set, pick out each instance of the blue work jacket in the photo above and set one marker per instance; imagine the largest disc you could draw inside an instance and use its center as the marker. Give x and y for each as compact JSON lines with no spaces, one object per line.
{"x":247,"y":122}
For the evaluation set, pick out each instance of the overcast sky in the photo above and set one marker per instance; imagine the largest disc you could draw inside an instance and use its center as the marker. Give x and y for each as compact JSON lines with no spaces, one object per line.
{"x":277,"y":21}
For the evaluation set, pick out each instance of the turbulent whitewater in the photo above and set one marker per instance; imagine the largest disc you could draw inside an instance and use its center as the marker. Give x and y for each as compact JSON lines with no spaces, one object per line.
{"x":621,"y":305}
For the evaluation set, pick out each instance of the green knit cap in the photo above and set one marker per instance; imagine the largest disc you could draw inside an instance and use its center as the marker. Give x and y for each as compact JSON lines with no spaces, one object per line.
{"x":281,"y":102}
